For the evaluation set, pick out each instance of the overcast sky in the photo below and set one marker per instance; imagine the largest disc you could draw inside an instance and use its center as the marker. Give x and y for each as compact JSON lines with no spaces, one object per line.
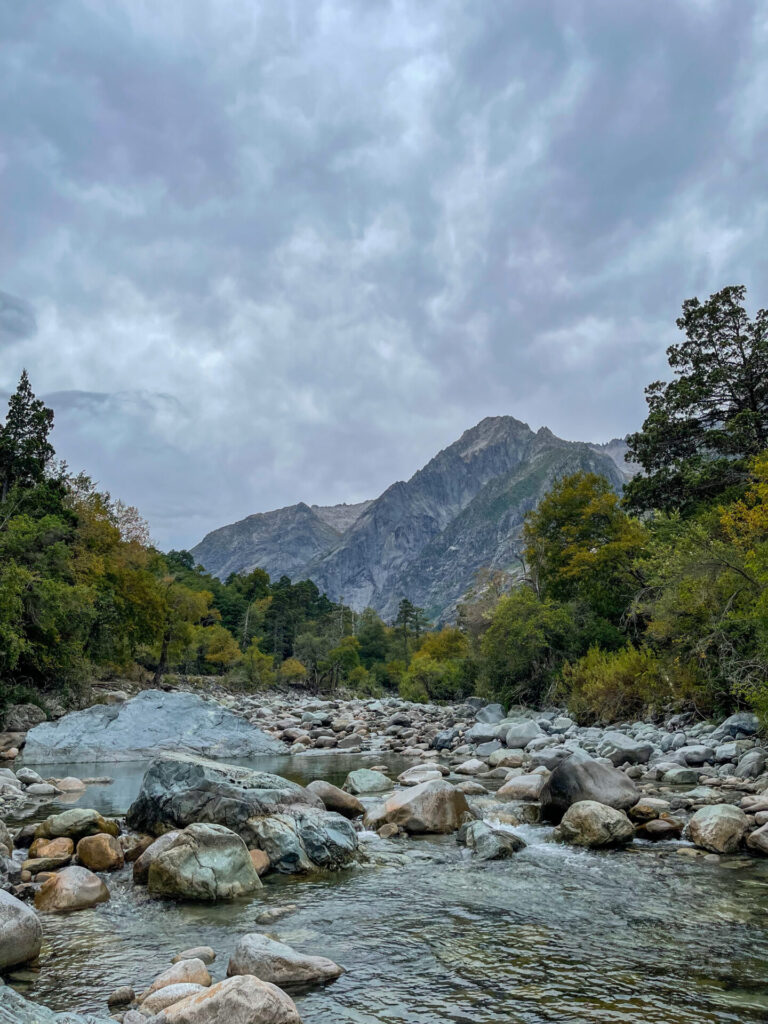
{"x":262,"y":252}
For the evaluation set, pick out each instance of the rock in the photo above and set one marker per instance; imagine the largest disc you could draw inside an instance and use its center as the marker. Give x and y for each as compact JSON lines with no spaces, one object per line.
{"x":520,"y":734}
{"x":21,"y":934}
{"x":15,"y":1009}
{"x":278,"y":963}
{"x":579,"y":778}
{"x":101,"y":852}
{"x":434,"y":807}
{"x":36,"y":865}
{"x":260,"y":861}
{"x":304,"y":839}
{"x":472,"y":767}
{"x":660,"y":828}
{"x":28,"y":777}
{"x":204,"y":953}
{"x":22,"y":717}
{"x":335,"y":799}
{"x":751,"y":764}
{"x":589,"y":823}
{"x":470,"y":787}
{"x":491,"y":713}
{"x":620,"y":749}
{"x":185,"y":972}
{"x":697,"y":754}
{"x":145,"y":726}
{"x":70,"y":784}
{"x":365,"y":781}
{"x":481,"y":732}
{"x":757,"y":841}
{"x":388,"y":831}
{"x":719,"y":828}
{"x":743,"y":723}
{"x":123,"y":996}
{"x":143,"y":863}
{"x":242,"y":999}
{"x":489,"y":843}
{"x":204,"y":862}
{"x":507,"y":759}
{"x":75,"y":824}
{"x":648,"y":808}
{"x":522,"y":787}
{"x":680,"y":777}
{"x":168,"y":996}
{"x":61,"y":847}
{"x":73,"y":888}
{"x":419,"y":773}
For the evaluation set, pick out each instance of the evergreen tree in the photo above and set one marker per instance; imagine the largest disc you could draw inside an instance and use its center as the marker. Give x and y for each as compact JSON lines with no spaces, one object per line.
{"x":24,"y":447}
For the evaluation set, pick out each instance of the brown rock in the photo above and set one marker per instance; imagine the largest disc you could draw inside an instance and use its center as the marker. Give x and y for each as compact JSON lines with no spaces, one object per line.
{"x":239,"y":1000}
{"x":146,"y":859}
{"x":100,"y":852}
{"x":61,"y":847}
{"x":435,"y":806}
{"x":260,"y":861}
{"x":74,"y":888}
{"x":336,"y":799}
{"x":185,"y":972}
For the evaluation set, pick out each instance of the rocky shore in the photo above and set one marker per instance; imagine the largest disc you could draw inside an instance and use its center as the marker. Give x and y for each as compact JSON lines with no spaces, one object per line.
{"x":208,"y":831}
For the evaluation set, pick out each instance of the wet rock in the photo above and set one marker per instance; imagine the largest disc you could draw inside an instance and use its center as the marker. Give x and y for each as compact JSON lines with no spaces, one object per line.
{"x":757,"y":841}
{"x":660,"y":828}
{"x":122,"y":996}
{"x":169,"y":996}
{"x":648,"y":807}
{"x":242,"y":999}
{"x":204,"y":953}
{"x":61,"y":847}
{"x":204,"y":862}
{"x":143,"y":863}
{"x":335,"y":799}
{"x":522,"y":787}
{"x":304,"y":839}
{"x":719,"y":828}
{"x":579,"y":778}
{"x":101,"y":852}
{"x":145,"y":726}
{"x":435,"y":806}
{"x":15,"y":1009}
{"x":278,"y":963}
{"x":489,"y":843}
{"x":589,"y":823}
{"x":70,"y":784}
{"x":75,"y":824}
{"x":21,"y":933}
{"x":364,"y":781}
{"x":72,"y":888}
{"x":185,"y":972}
{"x":260,"y":861}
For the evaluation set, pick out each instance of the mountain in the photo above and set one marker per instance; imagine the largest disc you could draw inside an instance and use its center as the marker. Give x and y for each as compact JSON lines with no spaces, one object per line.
{"x":425,"y":538}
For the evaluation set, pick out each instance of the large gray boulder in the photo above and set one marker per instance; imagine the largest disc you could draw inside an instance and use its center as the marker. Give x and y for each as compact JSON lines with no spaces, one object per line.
{"x":280,"y":964}
{"x":278,"y":816}
{"x":588,"y":823}
{"x":434,"y":806}
{"x":204,"y":862}
{"x":149,"y":724}
{"x":719,"y":828}
{"x":15,"y":1009}
{"x":520,"y":734}
{"x":620,"y":749}
{"x":21,"y":933}
{"x":578,"y":778}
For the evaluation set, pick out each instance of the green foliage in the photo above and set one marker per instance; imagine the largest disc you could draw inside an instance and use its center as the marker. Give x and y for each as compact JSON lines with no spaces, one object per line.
{"x":604,"y":686}
{"x":25,"y":451}
{"x":703,"y":426}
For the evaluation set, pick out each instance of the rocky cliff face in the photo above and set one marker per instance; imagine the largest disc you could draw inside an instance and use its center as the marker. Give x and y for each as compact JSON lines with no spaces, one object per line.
{"x":425,"y":538}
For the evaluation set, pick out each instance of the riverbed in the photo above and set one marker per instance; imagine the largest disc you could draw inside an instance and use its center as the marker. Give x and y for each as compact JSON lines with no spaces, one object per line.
{"x":429,"y":936}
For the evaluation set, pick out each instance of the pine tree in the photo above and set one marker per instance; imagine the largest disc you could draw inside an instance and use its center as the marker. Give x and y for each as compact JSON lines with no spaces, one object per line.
{"x":24,"y":447}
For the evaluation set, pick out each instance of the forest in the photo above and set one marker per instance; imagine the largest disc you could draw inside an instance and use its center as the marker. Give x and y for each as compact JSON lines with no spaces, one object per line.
{"x":627,"y":605}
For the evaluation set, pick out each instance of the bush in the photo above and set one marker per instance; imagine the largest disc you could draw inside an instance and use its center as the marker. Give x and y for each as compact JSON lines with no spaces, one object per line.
{"x":606,"y":686}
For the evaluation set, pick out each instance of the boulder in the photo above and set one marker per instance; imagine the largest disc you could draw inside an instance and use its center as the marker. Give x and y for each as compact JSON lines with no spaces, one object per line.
{"x":304,"y":839}
{"x":364,"y":781}
{"x":491,"y":713}
{"x":186,"y":972}
{"x":743,"y":723}
{"x":620,"y":749}
{"x":204,"y":862}
{"x":520,"y":734}
{"x":433,"y":807}
{"x":242,"y":999}
{"x":579,"y":778}
{"x":73,"y":888}
{"x":522,"y":787}
{"x":75,"y":824}
{"x":278,"y":963}
{"x":101,"y":852}
{"x":21,"y":717}
{"x":489,"y":843}
{"x":474,"y":766}
{"x":718,"y":828}
{"x":204,"y":953}
{"x":21,"y":933}
{"x":589,"y":823}
{"x":419,"y":773}
{"x":757,"y":841}
{"x":15,"y":1009}
{"x":61,"y":847}
{"x":143,"y":863}
{"x":680,"y":777}
{"x":335,"y":799}
{"x":169,"y":995}
{"x":751,"y":764}
{"x":146,"y":726}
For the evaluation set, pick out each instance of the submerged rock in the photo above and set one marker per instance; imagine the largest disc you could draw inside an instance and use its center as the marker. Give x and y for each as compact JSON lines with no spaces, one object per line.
{"x":279,"y":963}
{"x":204,"y":862}
{"x":149,"y":724}
{"x":489,"y":843}
{"x":21,"y":933}
{"x":579,"y":778}
{"x":364,"y":781}
{"x":15,"y":1009}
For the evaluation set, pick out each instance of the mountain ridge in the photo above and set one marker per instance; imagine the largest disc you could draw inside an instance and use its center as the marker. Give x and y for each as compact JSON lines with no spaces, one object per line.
{"x":424,"y":538}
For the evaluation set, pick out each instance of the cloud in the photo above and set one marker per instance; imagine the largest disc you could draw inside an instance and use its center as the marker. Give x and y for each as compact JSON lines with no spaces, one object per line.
{"x":271,"y":252}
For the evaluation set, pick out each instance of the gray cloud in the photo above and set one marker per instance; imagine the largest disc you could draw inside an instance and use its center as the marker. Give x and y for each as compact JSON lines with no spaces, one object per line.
{"x":17,"y":320}
{"x":287,"y":251}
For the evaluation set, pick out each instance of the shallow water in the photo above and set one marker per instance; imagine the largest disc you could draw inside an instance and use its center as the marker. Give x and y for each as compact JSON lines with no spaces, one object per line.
{"x":428,"y":936}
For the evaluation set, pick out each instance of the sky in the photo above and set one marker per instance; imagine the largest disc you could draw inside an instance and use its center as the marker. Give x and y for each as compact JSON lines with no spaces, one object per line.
{"x":256,"y":252}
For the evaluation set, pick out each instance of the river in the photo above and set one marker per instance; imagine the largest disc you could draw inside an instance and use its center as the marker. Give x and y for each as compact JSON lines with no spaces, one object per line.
{"x":643,"y":936}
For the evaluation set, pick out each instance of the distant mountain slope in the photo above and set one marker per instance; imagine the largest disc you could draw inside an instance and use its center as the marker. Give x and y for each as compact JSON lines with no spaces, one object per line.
{"x":424,"y":538}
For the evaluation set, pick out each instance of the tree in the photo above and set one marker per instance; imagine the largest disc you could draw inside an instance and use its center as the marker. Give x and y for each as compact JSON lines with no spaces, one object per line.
{"x":703,"y":426}
{"x":410,"y":622}
{"x":25,"y":451}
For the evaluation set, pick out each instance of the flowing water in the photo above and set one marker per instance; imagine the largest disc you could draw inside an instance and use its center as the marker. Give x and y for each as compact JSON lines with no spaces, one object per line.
{"x":428,"y":936}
